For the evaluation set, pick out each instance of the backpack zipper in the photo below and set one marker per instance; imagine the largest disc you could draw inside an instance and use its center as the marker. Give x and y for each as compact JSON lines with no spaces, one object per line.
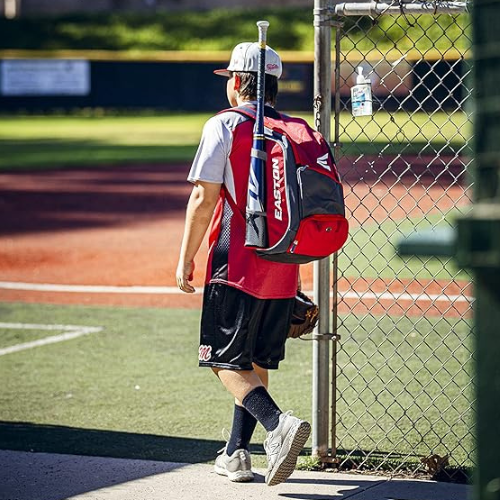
{"x":293,"y":246}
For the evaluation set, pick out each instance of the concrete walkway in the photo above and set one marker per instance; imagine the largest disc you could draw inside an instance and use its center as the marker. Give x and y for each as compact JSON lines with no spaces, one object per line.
{"x":43,"y":476}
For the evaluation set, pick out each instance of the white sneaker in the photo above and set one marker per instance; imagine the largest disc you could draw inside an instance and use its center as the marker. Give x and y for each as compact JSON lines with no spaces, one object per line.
{"x":237,"y":467}
{"x":283,"y":446}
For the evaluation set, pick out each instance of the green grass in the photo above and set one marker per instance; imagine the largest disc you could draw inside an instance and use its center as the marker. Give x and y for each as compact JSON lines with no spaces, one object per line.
{"x":291,"y":29}
{"x":408,"y":130}
{"x":55,"y":141}
{"x":406,"y":381}
{"x":119,"y":130}
{"x":41,"y":142}
{"x":138,"y":376}
{"x":135,"y":390}
{"x":371,"y":250}
{"x":16,"y":336}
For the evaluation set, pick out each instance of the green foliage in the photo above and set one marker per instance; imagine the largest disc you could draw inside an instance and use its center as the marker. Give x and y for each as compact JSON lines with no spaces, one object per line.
{"x":309,"y":463}
{"x":221,"y":29}
{"x":422,"y":33}
{"x":197,"y":30}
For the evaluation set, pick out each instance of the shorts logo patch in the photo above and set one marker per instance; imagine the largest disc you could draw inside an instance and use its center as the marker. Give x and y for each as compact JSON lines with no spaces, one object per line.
{"x":204,"y":352}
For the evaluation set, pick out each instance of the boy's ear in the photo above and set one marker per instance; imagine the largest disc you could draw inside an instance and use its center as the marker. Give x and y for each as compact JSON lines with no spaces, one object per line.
{"x":237,"y":82}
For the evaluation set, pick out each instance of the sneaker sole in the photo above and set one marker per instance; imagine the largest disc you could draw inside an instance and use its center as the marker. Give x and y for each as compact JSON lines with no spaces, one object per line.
{"x":236,"y":477}
{"x":284,"y":469}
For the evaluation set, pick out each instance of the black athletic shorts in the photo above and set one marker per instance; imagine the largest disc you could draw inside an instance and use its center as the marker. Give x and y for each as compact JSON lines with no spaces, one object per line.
{"x":238,"y":329}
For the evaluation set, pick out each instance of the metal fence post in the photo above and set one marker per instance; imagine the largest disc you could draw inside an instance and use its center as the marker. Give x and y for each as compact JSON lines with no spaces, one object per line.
{"x":338,"y":25}
{"x":321,"y":285}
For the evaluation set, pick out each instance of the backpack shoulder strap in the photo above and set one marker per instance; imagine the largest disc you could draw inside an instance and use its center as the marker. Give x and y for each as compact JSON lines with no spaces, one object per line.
{"x":244,"y":110}
{"x":250,"y":111}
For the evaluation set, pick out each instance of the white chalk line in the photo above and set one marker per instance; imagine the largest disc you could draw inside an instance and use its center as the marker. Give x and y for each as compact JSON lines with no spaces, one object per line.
{"x":47,"y":287}
{"x":71,"y":332}
{"x":172,"y":290}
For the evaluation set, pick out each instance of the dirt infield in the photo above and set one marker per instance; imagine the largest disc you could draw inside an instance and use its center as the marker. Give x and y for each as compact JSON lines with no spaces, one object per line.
{"x":121,"y":227}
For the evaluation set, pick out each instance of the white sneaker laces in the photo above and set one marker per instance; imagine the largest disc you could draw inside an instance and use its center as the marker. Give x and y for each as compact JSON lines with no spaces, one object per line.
{"x":225,"y":436}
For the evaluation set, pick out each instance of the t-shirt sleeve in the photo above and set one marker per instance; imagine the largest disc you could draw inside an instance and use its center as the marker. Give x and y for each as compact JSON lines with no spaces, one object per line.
{"x":213,"y":152}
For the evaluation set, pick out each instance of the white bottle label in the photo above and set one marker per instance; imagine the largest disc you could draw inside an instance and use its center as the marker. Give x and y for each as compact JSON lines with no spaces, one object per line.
{"x":361,"y":99}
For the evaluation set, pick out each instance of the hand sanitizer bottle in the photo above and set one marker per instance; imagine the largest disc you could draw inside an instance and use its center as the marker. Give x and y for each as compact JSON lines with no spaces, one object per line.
{"x":361,"y":95}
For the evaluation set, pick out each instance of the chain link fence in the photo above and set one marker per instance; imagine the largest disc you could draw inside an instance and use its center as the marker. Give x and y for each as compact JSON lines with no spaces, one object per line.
{"x":403,"y":390}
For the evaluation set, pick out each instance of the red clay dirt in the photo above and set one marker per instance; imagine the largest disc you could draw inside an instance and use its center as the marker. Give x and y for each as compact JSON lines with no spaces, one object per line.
{"x":122,"y":226}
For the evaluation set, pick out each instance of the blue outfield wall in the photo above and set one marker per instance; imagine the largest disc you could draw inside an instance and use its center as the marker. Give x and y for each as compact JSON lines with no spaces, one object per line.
{"x":168,"y":86}
{"x":192,"y":87}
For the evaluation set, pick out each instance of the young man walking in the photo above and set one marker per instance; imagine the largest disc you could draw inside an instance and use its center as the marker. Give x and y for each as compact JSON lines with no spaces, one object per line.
{"x":247,"y":301}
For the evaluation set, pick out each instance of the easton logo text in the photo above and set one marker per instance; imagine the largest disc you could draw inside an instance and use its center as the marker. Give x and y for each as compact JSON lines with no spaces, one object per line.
{"x":278,"y":210}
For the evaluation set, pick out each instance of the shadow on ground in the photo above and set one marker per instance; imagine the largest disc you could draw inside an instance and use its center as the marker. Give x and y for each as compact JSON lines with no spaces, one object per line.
{"x":62,"y":200}
{"x":42,"y":438}
{"x":65,"y":462}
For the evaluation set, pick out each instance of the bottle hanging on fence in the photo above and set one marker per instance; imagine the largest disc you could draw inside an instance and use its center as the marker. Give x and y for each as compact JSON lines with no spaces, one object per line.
{"x":361,"y":95}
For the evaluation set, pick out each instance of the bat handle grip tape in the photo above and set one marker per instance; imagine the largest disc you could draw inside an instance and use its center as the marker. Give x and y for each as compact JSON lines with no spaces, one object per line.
{"x":262,"y":26}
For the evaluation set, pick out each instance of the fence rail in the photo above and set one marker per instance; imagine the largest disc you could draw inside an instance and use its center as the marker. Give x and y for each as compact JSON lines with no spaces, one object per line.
{"x":375,"y":8}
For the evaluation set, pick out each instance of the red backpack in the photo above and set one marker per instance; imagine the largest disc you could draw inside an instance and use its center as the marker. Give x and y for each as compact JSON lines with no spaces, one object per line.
{"x":304,"y":196}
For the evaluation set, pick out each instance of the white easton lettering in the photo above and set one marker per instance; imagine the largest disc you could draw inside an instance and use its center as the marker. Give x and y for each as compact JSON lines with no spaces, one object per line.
{"x":205,"y":352}
{"x":278,"y":210}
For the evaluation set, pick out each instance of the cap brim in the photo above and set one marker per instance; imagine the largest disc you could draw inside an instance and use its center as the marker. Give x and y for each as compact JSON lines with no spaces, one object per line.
{"x":222,"y":72}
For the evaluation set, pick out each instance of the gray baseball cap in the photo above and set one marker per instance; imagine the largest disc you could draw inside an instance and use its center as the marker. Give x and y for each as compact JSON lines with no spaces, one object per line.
{"x":245,"y":57}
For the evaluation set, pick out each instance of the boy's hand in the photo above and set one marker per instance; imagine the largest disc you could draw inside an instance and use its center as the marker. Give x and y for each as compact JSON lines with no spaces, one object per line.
{"x":184,"y":274}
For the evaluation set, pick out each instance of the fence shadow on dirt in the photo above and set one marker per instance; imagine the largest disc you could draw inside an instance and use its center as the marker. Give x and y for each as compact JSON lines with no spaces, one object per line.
{"x":89,"y":198}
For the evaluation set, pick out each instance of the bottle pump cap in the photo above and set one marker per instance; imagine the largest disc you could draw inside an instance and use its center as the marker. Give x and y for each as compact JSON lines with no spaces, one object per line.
{"x":360,"y":78}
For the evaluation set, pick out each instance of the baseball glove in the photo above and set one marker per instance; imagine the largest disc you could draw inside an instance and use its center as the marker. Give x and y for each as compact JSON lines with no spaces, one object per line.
{"x":304,"y":316}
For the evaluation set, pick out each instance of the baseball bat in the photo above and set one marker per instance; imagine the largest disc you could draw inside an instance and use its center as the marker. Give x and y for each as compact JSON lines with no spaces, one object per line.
{"x":256,"y":229}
